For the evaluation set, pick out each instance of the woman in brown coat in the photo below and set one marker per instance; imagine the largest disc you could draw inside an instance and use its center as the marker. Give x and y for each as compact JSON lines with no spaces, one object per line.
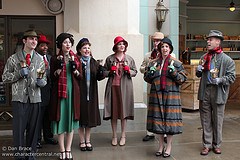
{"x":89,"y":111}
{"x":119,"y":100}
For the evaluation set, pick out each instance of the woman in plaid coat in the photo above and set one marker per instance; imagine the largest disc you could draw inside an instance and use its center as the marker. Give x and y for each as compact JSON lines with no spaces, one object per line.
{"x":165,"y":74}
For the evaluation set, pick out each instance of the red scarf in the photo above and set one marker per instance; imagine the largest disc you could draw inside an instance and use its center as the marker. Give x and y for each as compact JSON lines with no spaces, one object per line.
{"x":62,"y":81}
{"x":208,"y":57}
{"x":154,"y":54}
{"x":163,"y":79}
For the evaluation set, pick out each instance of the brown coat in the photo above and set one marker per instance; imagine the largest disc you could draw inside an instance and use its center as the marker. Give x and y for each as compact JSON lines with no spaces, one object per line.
{"x":126,"y":88}
{"x":89,"y":110}
{"x":55,"y":100}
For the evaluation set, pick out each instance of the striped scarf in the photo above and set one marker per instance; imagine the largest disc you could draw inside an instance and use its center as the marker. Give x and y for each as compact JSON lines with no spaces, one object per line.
{"x":163,"y":78}
{"x":62,"y":81}
{"x":208,"y":57}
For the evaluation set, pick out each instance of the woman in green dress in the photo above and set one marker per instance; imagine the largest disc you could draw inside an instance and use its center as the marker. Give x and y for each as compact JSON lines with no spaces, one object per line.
{"x":66,"y":71}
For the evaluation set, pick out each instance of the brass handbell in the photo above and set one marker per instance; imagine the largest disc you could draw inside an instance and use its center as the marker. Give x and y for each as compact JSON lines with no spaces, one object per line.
{"x":72,"y":58}
{"x":23,"y":64}
{"x":100,"y":61}
{"x":40,"y":73}
{"x":214,"y":73}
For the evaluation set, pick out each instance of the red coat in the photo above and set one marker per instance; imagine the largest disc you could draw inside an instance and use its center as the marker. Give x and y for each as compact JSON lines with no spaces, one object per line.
{"x":55,"y":100}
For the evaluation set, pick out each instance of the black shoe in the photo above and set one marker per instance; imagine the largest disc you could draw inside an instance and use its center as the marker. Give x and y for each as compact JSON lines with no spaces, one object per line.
{"x":39,"y":145}
{"x":51,"y":141}
{"x":166,"y":155}
{"x":82,"y":148}
{"x":147,"y":137}
{"x":89,"y":146}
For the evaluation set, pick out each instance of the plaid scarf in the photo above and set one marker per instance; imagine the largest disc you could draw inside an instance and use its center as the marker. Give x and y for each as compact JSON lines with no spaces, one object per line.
{"x":208,"y":57}
{"x":62,"y":81}
{"x":163,"y":78}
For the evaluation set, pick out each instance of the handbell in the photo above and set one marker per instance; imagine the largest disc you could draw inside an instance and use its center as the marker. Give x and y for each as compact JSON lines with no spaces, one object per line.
{"x":214,"y":73}
{"x":40,"y":73}
{"x":23,"y":64}
{"x":100,"y":61}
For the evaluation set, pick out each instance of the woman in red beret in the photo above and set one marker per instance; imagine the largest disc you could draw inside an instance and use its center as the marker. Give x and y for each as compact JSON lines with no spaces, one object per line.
{"x":119,"y":100}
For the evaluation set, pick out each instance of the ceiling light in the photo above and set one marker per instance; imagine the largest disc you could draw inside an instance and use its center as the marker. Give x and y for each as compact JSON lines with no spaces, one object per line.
{"x":232,"y":6}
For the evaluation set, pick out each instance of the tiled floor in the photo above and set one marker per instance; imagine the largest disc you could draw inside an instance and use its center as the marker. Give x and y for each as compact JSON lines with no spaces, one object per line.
{"x":186,"y":146}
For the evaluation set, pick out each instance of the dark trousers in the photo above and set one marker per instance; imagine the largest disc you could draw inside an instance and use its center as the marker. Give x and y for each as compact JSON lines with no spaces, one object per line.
{"x":26,"y":119}
{"x":45,"y":124}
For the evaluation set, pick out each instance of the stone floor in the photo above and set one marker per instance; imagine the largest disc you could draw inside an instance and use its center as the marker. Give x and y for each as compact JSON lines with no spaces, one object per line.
{"x":186,"y":146}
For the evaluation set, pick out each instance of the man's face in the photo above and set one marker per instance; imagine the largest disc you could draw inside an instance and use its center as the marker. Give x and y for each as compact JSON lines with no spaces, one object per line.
{"x":42,"y":48}
{"x":213,"y":42}
{"x":155,"y":43}
{"x":30,"y":42}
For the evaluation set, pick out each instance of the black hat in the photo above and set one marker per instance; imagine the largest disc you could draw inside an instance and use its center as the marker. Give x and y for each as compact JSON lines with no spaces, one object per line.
{"x":81,"y":43}
{"x":169,"y":42}
{"x":62,"y":37}
{"x":216,"y":34}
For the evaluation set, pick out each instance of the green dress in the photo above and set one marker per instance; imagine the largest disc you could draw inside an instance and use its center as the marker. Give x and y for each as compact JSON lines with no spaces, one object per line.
{"x":66,"y":123}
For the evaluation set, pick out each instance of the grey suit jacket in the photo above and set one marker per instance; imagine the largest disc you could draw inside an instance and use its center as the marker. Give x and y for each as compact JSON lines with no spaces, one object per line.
{"x":22,"y":89}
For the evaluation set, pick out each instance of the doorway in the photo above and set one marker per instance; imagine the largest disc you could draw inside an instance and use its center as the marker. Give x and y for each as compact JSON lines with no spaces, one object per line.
{"x":11,"y":32}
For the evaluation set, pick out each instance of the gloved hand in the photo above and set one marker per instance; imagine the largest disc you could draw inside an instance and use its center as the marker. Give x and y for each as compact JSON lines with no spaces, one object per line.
{"x":40,"y":82}
{"x":24,"y":72}
{"x":152,"y":70}
{"x":60,"y":63}
{"x":73,"y":65}
{"x":171,"y":69}
{"x":101,"y":69}
{"x":199,"y":68}
{"x":126,"y":69}
{"x":113,"y":69}
{"x":217,"y":81}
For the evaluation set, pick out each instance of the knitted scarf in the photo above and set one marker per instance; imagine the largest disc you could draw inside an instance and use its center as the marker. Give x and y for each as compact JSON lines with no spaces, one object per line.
{"x":86,"y":62}
{"x":208,"y":57}
{"x":164,"y":69}
{"x":62,"y":81}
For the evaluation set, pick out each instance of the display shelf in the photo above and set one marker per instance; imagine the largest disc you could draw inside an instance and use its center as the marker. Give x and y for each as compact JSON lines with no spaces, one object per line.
{"x":198,"y":47}
{"x":203,"y":40}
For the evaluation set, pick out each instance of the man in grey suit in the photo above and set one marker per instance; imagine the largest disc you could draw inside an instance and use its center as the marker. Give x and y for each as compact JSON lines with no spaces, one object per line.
{"x":217,"y":72}
{"x":23,"y":70}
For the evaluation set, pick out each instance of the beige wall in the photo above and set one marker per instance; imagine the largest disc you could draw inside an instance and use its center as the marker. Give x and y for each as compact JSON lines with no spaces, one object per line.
{"x":100,"y":21}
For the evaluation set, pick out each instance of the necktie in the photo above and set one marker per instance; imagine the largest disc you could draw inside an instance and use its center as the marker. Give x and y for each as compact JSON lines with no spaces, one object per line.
{"x":46,"y":62}
{"x":28,"y":57}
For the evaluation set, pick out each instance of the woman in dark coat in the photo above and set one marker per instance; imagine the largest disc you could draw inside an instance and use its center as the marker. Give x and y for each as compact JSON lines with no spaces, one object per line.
{"x":66,"y":71}
{"x":165,"y":74}
{"x":89,"y":110}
